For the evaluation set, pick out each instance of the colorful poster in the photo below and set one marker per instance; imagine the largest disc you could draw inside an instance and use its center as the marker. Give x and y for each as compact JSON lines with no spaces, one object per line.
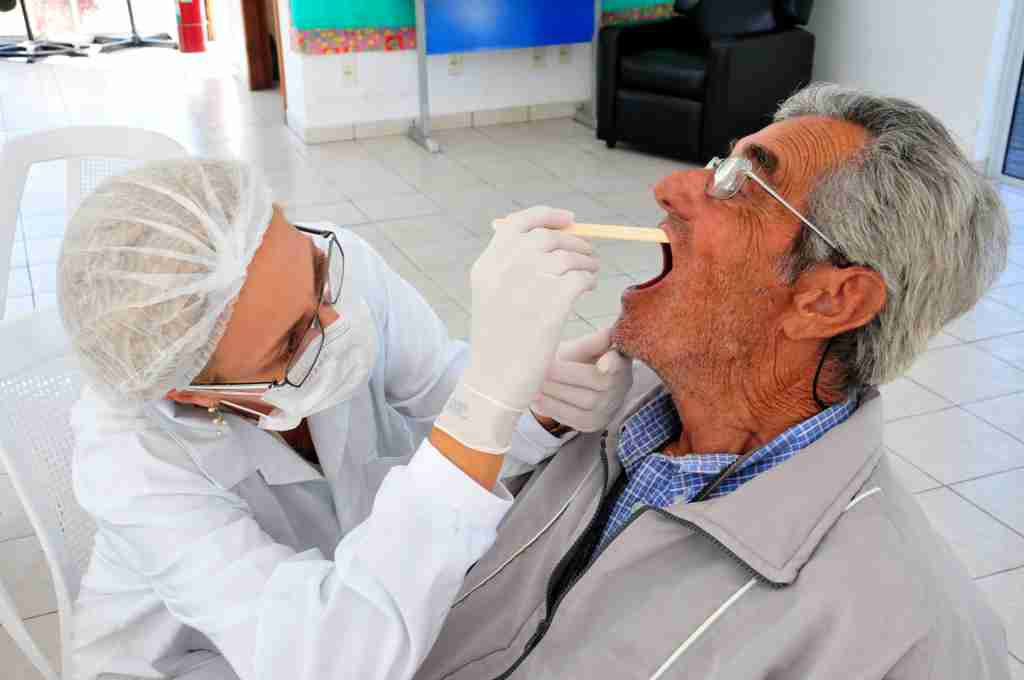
{"x":333,"y":27}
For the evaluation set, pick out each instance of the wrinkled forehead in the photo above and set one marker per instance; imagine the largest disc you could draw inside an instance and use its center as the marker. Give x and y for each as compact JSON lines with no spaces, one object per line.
{"x":799,"y":150}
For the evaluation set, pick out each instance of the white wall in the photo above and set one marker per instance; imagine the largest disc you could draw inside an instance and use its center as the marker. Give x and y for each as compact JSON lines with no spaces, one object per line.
{"x":323,"y":107}
{"x":946,"y":55}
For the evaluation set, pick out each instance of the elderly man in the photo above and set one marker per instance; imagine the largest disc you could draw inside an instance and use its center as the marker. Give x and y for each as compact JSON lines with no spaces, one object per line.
{"x":739,"y":518}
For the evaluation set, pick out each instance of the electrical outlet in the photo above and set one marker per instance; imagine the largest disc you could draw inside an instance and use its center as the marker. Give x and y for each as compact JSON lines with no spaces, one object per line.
{"x":349,"y":77}
{"x":455,"y":64}
{"x":540,"y":57}
{"x":565,"y":54}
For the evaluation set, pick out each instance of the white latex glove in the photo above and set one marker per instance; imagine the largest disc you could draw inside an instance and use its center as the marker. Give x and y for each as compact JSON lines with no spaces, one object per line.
{"x":586,"y":384}
{"x":524,"y":286}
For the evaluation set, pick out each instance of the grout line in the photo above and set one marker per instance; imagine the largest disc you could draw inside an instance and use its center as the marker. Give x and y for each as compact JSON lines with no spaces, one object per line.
{"x":1019,"y":533}
{"x":979,"y":477}
{"x":39,"y":616}
{"x":1019,"y":567}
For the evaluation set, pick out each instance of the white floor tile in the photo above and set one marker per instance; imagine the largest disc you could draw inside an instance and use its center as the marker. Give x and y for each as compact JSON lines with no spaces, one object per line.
{"x":943,"y":340}
{"x":966,"y":373}
{"x":434,"y":174}
{"x":416,"y":232}
{"x":451,"y":256}
{"x":1011,"y":296}
{"x":912,"y":478}
{"x":303,"y":186}
{"x":988,"y":319}
{"x":1013,"y":274}
{"x":365,"y":179}
{"x":904,"y":397}
{"x":544,"y":191}
{"x":1006,"y":413}
{"x":476,"y":207}
{"x":396,"y":207}
{"x":343,"y":214}
{"x":1005,"y":593}
{"x":26,"y":575}
{"x":455,"y":283}
{"x":984,"y":545}
{"x":1008,"y":348}
{"x":1000,"y":495}
{"x":45,"y":630}
{"x":605,"y":300}
{"x":953,"y":445}
{"x":13,"y":521}
{"x":18,"y":283}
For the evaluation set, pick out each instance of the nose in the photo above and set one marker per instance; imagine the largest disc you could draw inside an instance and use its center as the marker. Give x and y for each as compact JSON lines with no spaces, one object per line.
{"x":680,"y":191}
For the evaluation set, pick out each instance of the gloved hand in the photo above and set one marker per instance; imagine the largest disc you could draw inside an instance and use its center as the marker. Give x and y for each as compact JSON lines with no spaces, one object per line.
{"x":524,"y":286}
{"x":586,"y":384}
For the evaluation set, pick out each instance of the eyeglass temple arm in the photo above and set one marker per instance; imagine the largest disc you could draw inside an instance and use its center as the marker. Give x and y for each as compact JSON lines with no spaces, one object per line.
{"x":793,"y":210}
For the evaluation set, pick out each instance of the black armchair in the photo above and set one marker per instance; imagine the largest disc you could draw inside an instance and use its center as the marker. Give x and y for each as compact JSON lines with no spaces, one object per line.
{"x":689,"y":85}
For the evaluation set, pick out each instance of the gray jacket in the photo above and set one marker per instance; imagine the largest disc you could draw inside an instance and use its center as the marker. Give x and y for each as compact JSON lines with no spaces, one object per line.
{"x":823,"y":567}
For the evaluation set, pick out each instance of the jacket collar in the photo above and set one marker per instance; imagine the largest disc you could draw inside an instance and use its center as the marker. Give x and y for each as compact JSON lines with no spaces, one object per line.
{"x":774,"y":522}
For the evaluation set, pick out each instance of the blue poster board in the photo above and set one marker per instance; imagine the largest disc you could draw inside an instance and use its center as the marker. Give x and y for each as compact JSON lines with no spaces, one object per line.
{"x":477,"y":25}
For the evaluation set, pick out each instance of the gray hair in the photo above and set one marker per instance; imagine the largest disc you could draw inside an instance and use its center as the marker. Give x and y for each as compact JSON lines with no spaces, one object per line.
{"x":910,"y":206}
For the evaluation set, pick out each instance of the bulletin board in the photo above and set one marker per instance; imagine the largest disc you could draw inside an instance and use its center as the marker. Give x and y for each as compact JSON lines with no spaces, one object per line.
{"x":479,"y":25}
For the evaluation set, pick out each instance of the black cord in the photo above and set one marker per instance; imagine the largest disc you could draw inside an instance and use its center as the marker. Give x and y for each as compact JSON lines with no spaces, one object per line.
{"x":817,"y":374}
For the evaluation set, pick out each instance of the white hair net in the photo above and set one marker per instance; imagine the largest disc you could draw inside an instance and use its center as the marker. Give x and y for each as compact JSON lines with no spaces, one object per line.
{"x":150,"y":268}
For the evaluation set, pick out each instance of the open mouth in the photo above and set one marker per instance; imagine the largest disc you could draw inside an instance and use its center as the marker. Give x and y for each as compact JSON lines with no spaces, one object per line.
{"x":666,"y":267}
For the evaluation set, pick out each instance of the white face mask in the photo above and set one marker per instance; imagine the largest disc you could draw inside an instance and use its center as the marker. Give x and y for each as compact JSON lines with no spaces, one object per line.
{"x":348,"y":355}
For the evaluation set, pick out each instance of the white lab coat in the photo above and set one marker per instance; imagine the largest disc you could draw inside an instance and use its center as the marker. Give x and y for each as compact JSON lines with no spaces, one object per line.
{"x":220,"y":551}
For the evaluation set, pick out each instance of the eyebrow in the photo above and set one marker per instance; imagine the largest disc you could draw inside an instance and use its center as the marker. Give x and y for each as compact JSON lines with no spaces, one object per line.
{"x":762,"y":157}
{"x":300,"y":325}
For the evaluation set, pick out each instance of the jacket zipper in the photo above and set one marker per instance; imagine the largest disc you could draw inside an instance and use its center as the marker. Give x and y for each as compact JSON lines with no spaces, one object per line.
{"x":542,"y":627}
{"x":545,"y":623}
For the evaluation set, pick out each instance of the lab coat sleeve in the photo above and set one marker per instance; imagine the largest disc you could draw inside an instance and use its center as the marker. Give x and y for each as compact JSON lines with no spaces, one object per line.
{"x":424,"y":363}
{"x":371,"y":613}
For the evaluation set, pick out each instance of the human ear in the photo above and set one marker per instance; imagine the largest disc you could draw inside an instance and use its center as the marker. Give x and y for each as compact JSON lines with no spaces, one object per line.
{"x":828,"y":301}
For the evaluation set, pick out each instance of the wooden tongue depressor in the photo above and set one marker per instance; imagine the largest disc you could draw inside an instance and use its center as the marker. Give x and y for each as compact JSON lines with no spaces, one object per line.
{"x":616,"y":232}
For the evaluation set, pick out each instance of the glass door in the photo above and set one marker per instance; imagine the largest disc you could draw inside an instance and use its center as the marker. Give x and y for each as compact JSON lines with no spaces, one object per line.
{"x":1013,"y":162}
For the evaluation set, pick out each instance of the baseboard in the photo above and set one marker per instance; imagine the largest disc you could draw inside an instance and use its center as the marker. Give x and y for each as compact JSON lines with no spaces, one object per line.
{"x":312,"y":134}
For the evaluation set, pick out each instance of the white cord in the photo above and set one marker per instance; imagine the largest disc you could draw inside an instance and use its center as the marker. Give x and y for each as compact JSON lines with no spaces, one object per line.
{"x":703,"y":627}
{"x":732,"y":600}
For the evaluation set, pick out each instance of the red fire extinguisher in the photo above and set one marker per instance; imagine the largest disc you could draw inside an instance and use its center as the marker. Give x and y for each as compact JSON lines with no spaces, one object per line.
{"x":191,"y":26}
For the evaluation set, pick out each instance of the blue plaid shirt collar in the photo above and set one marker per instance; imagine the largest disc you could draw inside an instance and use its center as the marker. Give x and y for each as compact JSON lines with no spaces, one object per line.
{"x":655,"y":479}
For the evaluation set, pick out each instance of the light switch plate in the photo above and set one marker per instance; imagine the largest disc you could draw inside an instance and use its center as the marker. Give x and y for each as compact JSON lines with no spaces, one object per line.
{"x":565,"y":54}
{"x":540,"y":56}
{"x":455,"y":64}
{"x":349,"y":76}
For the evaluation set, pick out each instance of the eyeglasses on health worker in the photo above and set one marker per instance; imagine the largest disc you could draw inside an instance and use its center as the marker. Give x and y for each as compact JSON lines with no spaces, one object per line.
{"x":256,"y":440}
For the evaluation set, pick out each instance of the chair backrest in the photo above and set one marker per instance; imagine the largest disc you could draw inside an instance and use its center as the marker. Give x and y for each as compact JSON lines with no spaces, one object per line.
{"x":92,"y":153}
{"x":719,"y":18}
{"x":39,"y":383}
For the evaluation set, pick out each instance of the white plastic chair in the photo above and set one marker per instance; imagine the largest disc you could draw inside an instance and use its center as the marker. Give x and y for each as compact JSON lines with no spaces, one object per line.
{"x":39,"y":383}
{"x":93,"y":153}
{"x":38,"y":379}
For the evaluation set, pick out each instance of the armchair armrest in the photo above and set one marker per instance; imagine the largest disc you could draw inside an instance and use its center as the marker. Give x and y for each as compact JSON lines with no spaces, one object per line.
{"x":747,"y":80}
{"x":616,"y":41}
